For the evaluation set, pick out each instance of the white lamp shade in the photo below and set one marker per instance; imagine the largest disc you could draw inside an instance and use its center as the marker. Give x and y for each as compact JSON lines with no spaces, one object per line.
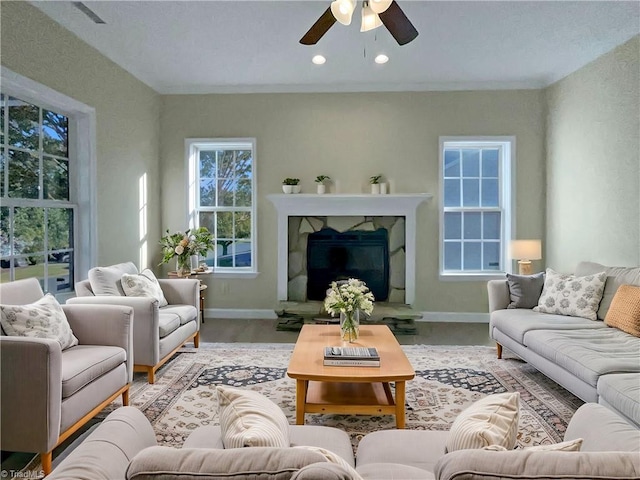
{"x":526,"y":249}
{"x":379,"y":6}
{"x":342,"y":10}
{"x":370,"y":19}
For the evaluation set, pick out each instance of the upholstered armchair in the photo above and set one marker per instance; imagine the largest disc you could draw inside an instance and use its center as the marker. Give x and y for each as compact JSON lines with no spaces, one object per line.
{"x":166,"y":312}
{"x":49,"y":392}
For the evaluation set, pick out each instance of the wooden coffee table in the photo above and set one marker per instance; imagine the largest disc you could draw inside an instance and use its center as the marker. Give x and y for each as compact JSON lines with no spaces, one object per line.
{"x":349,"y":390}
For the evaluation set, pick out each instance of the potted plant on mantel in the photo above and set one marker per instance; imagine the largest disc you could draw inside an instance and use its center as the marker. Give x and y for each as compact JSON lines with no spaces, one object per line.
{"x":320,"y":179}
{"x":291,"y":185}
{"x":375,"y":184}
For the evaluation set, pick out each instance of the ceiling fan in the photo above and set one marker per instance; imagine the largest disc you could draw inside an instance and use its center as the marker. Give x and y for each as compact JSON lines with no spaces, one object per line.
{"x":374,"y":14}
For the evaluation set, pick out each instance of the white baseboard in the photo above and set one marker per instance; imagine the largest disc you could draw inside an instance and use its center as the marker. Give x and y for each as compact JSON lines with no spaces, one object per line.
{"x":454,"y":317}
{"x":451,"y":317}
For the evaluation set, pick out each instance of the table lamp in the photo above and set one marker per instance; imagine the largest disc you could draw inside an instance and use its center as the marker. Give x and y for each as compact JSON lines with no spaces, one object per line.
{"x":524,"y":251}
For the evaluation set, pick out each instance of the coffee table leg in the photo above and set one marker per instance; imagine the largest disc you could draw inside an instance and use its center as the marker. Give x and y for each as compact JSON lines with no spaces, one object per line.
{"x":301,"y":398}
{"x":400,"y":396}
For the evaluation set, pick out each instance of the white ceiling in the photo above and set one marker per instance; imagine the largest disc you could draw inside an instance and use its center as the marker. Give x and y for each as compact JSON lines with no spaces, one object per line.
{"x":253,"y":46}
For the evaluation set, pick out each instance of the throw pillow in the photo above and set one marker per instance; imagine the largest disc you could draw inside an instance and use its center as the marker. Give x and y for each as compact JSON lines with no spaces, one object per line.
{"x":334,"y":458}
{"x":42,"y":319}
{"x":492,"y":420}
{"x":249,"y":419}
{"x":569,"y":446}
{"x":565,"y":294}
{"x":624,"y":312}
{"x":525,"y":290}
{"x":144,"y":284}
{"x":107,"y":280}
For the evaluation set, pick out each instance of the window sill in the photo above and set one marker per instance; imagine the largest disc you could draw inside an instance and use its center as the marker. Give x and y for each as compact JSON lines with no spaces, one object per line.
{"x":246,"y":275}
{"x":471,"y":277}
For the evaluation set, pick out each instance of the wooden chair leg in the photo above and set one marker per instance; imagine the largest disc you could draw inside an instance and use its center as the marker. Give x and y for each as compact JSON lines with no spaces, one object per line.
{"x":125,"y":397}
{"x":45,"y":459}
{"x":151,"y":375}
{"x":499,"y":350}
{"x":196,"y":340}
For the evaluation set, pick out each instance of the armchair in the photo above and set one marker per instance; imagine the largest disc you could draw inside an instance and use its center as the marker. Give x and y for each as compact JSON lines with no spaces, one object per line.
{"x":159,"y":331}
{"x":49,"y":393}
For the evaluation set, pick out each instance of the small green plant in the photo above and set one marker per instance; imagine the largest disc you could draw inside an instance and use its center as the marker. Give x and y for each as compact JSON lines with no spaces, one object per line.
{"x":291,"y":181}
{"x":375,"y":179}
{"x":322,"y":178}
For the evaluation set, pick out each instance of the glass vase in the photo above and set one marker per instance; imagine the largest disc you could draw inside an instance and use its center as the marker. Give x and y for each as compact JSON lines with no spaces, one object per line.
{"x":350,"y":326}
{"x":183,"y":265}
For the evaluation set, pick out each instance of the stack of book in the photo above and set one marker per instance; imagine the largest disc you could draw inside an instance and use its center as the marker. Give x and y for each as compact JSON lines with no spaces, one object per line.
{"x":351,"y":356}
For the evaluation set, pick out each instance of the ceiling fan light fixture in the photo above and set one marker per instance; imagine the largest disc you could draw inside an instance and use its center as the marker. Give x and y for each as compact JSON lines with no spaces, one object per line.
{"x":319,"y":59}
{"x":379,"y":6}
{"x":381,"y":59}
{"x":342,"y":10}
{"x":370,"y":19}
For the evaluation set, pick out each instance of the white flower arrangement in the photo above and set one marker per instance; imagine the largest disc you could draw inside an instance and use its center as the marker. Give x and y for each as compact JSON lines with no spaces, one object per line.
{"x":349,"y":296}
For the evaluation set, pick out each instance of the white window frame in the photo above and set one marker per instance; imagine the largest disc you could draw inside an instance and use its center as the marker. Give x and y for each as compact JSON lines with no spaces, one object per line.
{"x":193,"y":147}
{"x":82,"y":162}
{"x":506,"y":202}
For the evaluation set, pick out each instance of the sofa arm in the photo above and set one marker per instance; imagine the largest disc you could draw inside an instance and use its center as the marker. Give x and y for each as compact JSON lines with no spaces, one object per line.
{"x":146,"y":329}
{"x":181,"y":291}
{"x":514,"y":464}
{"x":498,"y":291}
{"x":31,"y":385}
{"x":602,"y":430}
{"x":103,"y":325}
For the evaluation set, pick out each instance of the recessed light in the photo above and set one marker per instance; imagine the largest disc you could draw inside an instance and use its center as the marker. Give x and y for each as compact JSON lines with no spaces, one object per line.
{"x":318,"y":59}
{"x":382,"y":58}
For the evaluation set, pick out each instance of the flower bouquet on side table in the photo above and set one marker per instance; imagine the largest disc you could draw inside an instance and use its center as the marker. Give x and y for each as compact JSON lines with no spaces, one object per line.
{"x":348,"y":298}
{"x":197,"y":241}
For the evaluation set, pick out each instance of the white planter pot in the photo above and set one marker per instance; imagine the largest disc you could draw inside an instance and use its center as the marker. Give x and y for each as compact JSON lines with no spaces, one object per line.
{"x":287,"y":188}
{"x":383,"y":188}
{"x":375,"y":188}
{"x":322,"y":188}
{"x":296,"y":188}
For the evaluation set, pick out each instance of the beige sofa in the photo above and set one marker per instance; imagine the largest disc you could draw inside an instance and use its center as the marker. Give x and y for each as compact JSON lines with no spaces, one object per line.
{"x":595,"y":362}
{"x":124,"y":446}
{"x":158,"y":331}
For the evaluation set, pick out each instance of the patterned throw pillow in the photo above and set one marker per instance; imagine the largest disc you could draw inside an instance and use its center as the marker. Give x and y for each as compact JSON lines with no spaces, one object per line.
{"x":42,"y":319}
{"x":144,"y":284}
{"x":568,"y":446}
{"x":492,"y":420}
{"x":573,"y":296}
{"x":249,"y":419}
{"x":624,"y":312}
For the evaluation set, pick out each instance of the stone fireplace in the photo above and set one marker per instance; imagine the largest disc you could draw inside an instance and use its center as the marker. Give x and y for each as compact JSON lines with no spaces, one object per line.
{"x":302,"y":214}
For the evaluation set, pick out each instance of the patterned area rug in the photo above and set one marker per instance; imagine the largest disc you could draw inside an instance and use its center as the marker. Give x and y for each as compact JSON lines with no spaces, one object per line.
{"x":448,"y":379}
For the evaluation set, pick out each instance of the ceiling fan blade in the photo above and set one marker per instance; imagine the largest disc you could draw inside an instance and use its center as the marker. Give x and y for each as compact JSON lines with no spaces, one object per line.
{"x":398,"y":24}
{"x":318,"y":29}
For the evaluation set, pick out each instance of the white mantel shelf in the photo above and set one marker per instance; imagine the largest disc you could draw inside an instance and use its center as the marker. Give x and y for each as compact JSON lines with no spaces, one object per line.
{"x":337,"y":204}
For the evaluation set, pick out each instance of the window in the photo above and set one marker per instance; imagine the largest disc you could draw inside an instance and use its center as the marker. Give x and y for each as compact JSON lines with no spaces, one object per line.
{"x":475,"y":213}
{"x":222,"y":198}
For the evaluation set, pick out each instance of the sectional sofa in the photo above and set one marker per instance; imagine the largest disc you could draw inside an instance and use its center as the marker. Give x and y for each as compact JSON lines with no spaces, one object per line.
{"x":596,"y":362}
{"x":124,"y":446}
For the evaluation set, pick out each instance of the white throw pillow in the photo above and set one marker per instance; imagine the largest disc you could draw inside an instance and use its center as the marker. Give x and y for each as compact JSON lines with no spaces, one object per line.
{"x":144,"y":284}
{"x":249,"y":419}
{"x":334,"y":458}
{"x":565,"y":294}
{"x":107,"y":280}
{"x":42,"y":319}
{"x":492,"y":420}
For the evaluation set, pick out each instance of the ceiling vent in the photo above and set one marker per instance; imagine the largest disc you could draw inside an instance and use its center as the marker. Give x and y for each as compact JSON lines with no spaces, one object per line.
{"x":88,"y":12}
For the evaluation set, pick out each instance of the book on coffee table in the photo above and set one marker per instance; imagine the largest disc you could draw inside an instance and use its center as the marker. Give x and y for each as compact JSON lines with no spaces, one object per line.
{"x":351,"y":356}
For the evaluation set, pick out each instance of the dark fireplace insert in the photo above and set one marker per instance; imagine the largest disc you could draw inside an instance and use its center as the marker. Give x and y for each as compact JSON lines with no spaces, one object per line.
{"x":334,"y":256}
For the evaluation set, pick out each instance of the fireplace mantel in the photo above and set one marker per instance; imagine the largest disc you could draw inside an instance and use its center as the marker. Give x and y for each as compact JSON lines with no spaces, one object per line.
{"x":405,"y":205}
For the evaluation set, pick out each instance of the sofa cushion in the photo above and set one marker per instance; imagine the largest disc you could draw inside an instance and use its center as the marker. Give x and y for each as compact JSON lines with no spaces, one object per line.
{"x":83,"y":364}
{"x":525,"y":290}
{"x":108,"y":280}
{"x":492,"y":420}
{"x":323,"y":471}
{"x":602,"y":430}
{"x":589,"y":353}
{"x":143,"y":284}
{"x":266,"y":463}
{"x":334,"y":458}
{"x":515,"y":323}
{"x":622,"y":392}
{"x":565,"y":294}
{"x":168,"y":323}
{"x":385,"y":471}
{"x":568,"y":446}
{"x":42,"y":319}
{"x":616,"y":276}
{"x":624,"y":312}
{"x":249,"y":419}
{"x":186,"y":313}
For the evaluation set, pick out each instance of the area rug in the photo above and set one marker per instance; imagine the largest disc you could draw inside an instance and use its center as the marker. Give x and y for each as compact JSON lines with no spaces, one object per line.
{"x":448,"y":379}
